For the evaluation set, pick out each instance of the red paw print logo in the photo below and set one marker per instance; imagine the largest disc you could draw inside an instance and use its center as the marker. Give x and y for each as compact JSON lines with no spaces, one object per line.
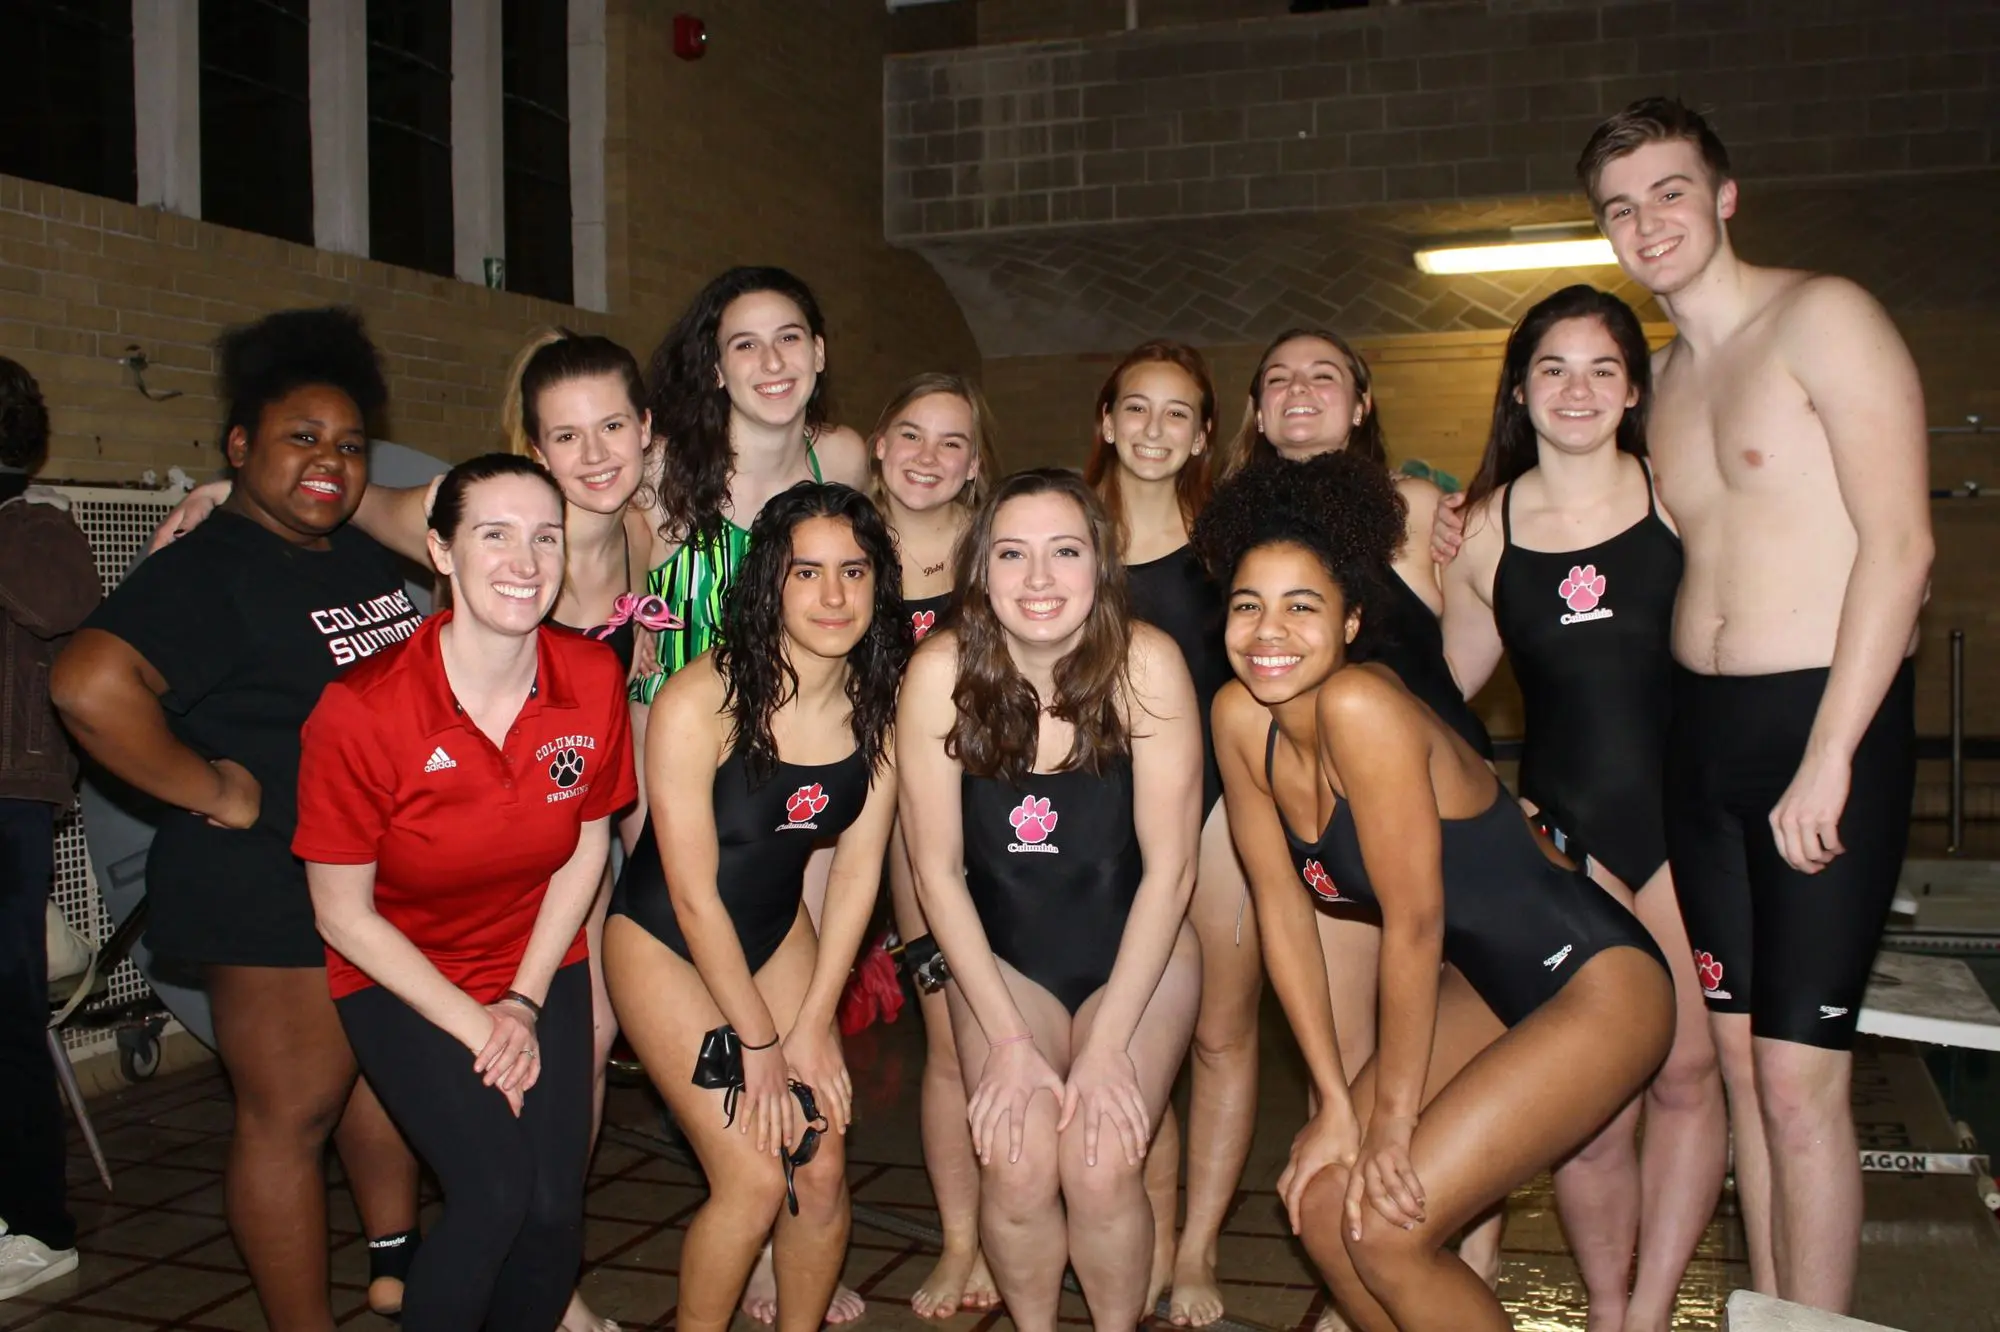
{"x":1709,"y":970}
{"x":804,"y":803}
{"x":1583,"y":589}
{"x":1320,"y":882}
{"x":922,"y":622}
{"x":1033,"y":819}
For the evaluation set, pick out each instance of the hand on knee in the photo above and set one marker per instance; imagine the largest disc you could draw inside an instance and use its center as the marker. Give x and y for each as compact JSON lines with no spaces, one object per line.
{"x":1386,"y":1253}
{"x":1101,"y":1189}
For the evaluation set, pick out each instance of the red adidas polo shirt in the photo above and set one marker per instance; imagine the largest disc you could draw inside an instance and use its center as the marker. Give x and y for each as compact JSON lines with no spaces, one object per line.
{"x":463,"y":835}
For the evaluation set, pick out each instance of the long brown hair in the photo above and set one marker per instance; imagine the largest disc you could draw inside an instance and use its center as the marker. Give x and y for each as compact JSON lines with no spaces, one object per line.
{"x":998,"y":725}
{"x":923,"y":386}
{"x":1511,"y":447}
{"x":1193,"y":482}
{"x":1365,"y":439}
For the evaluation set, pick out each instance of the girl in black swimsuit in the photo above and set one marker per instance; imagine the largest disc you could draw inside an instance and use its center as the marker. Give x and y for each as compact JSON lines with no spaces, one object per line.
{"x":1570,"y":565}
{"x":773,"y":740}
{"x":933,"y":456}
{"x":1312,"y":394}
{"x":1343,"y":787}
{"x":1052,"y":760}
{"x":1150,"y":463}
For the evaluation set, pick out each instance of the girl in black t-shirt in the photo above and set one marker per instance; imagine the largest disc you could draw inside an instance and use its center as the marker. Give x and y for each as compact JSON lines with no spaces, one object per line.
{"x":190,"y":684}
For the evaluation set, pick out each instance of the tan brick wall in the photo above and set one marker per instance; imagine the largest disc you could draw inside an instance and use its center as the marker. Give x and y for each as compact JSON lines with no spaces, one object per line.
{"x":766,"y":151}
{"x":83,"y":278}
{"x":1436,"y":396}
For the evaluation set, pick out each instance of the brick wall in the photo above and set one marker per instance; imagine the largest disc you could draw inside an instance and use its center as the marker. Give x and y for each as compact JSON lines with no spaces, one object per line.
{"x":766,"y":151}
{"x":1425,"y":102}
{"x":1043,"y":20}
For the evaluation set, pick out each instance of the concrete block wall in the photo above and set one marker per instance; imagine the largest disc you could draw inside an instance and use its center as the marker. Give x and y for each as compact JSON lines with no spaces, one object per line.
{"x":1425,"y":102}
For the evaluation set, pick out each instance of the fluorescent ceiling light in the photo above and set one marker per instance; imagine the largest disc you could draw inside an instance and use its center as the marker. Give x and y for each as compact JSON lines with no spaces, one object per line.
{"x":1562,"y":245}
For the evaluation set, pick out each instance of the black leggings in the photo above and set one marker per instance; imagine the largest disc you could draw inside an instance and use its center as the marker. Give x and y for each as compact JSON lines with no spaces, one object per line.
{"x":505,"y":1252}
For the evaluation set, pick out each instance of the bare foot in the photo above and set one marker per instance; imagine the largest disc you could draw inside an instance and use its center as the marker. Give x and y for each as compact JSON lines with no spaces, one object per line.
{"x":385,"y":1296}
{"x":579,"y":1318}
{"x":1197,"y":1300}
{"x":760,"y":1297}
{"x":1331,"y":1321}
{"x":1163,"y":1266}
{"x":846,"y":1307}
{"x":949,"y":1287}
{"x":980,"y":1292}
{"x":1480,"y":1250}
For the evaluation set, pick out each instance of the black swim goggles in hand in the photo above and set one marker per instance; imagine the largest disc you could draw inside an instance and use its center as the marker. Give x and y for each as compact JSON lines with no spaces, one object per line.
{"x":718,"y":1065}
{"x":808,"y":1147}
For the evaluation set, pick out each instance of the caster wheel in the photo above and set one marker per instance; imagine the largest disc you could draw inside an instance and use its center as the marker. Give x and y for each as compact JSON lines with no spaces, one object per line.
{"x":138,"y":1055}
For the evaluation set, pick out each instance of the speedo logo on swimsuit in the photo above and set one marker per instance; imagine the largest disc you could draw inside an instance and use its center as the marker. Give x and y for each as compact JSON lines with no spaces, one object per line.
{"x":1829,"y":1011}
{"x":1320,"y":882}
{"x":1710,"y":971}
{"x":801,"y":806}
{"x":1560,"y":956}
{"x":1581,"y":592}
{"x":1032,"y":821}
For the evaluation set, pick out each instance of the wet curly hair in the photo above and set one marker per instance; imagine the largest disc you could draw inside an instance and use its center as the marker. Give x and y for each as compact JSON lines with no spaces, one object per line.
{"x":1343,"y":507}
{"x":750,"y":655}
{"x":260,"y":363}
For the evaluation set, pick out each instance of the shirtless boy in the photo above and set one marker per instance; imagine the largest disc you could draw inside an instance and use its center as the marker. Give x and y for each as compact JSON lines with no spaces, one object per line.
{"x":1788,"y":441}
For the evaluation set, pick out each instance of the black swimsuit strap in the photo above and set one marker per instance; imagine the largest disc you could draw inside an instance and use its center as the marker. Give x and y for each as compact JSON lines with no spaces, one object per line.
{"x":1270,"y":756}
{"x":1507,"y":513}
{"x":1652,"y":503}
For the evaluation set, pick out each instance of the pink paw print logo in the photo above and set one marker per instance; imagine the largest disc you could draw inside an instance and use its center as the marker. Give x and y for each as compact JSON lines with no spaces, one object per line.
{"x":1709,"y":969}
{"x":922,"y":622}
{"x":1583,"y":589}
{"x":804,"y":803}
{"x":1320,"y":881}
{"x":1033,"y":819}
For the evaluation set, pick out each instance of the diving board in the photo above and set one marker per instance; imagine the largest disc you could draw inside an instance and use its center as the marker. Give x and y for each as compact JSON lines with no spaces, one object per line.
{"x":1748,"y":1311}
{"x":1936,"y":1000}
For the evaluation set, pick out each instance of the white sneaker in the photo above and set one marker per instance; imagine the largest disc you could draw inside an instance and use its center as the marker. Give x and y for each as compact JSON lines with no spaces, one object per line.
{"x":26,"y":1262}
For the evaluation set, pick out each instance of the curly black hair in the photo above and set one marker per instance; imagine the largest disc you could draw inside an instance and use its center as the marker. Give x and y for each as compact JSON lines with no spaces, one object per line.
{"x":750,"y":654}
{"x":1341,"y":506}
{"x":262,"y":362}
{"x":691,"y":408}
{"x":24,"y":420}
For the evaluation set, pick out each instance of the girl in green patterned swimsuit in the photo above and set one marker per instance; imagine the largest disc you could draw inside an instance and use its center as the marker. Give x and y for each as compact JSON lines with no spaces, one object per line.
{"x":738,"y":391}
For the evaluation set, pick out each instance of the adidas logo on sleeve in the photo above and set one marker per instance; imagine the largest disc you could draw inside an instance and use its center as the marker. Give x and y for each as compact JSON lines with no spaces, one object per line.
{"x":439,"y":761}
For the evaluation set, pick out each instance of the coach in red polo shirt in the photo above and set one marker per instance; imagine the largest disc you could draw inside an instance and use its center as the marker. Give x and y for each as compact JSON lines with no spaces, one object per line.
{"x":455,"y":798}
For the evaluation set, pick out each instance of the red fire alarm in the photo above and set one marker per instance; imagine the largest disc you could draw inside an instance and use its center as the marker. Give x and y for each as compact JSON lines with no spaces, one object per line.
{"x":690,"y":37}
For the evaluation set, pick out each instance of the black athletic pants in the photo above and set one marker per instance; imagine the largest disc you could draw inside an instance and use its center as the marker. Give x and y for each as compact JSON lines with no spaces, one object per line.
{"x":505,"y":1252}
{"x":31,"y":1116}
